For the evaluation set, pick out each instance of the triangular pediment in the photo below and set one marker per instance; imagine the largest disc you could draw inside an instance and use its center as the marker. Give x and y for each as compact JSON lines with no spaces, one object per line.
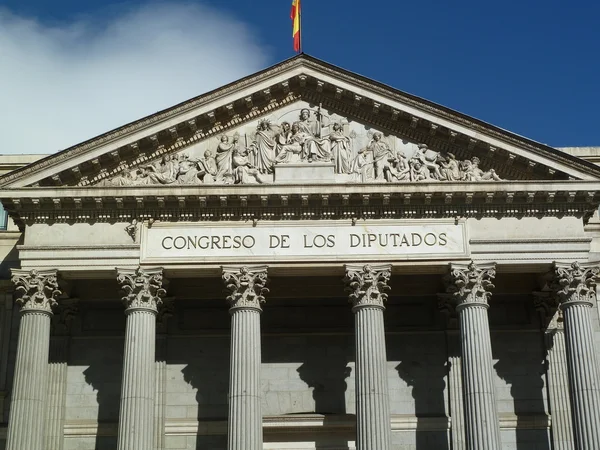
{"x":302,"y":121}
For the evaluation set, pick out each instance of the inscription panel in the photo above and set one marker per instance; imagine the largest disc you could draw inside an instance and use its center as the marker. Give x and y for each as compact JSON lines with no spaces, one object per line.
{"x":199,"y":243}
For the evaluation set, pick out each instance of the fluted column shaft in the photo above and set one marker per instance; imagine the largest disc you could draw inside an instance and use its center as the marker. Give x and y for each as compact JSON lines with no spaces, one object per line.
{"x":136,"y":415}
{"x":457,"y":410}
{"x":558,"y":390}
{"x":27,"y":409}
{"x":482,"y":426}
{"x":160,"y":400}
{"x":367,"y":286}
{"x":247,"y":288}
{"x":575,"y":289}
{"x":245,"y":408}
{"x":583,"y":375}
{"x":471,"y":287}
{"x":37,"y":293}
{"x":143,"y":294}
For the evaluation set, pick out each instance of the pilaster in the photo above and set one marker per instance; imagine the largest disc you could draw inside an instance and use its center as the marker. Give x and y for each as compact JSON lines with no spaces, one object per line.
{"x":246,"y":287}
{"x":36,"y":294}
{"x":57,"y":373}
{"x":574,"y":286}
{"x":367,"y":286}
{"x":552,"y":323}
{"x":471,"y":287}
{"x":143,"y":293}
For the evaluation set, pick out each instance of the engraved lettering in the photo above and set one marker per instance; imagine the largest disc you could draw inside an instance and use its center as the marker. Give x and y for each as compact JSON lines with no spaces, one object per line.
{"x":285,"y":241}
{"x":226,"y":242}
{"x":416,"y":239}
{"x":180,"y":239}
{"x":443,"y":239}
{"x":201,"y":245}
{"x":331,"y":241}
{"x":430,"y":239}
{"x":354,"y":240}
{"x":165,"y":240}
{"x":248,"y":241}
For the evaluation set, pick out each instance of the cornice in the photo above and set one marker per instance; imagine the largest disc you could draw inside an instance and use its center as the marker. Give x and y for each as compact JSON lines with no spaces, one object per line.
{"x":302,"y":202}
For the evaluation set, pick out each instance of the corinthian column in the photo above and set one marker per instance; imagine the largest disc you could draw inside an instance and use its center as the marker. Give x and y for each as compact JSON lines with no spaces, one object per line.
{"x":367,"y":286}
{"x":143,"y":295}
{"x":36,"y":292}
{"x":574,"y":287}
{"x":470,"y":286}
{"x":247,"y":288}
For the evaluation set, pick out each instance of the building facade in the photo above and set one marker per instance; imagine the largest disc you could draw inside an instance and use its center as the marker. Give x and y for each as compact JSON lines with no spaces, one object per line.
{"x":302,"y":259}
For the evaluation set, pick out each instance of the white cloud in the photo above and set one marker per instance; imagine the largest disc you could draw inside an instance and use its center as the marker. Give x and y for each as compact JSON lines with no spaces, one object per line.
{"x":63,"y":85}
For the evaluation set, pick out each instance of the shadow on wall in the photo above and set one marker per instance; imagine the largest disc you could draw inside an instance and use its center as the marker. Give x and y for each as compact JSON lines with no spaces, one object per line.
{"x":325,"y":372}
{"x":423,"y":368}
{"x":107,"y":384}
{"x":207,"y":372}
{"x":308,"y":375}
{"x":521,"y":365}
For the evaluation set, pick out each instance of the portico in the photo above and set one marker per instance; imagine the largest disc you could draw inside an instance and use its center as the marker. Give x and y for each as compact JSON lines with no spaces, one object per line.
{"x":400,"y":289}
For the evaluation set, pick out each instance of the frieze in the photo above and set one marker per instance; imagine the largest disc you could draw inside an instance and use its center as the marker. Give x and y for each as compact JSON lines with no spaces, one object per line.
{"x":303,"y":136}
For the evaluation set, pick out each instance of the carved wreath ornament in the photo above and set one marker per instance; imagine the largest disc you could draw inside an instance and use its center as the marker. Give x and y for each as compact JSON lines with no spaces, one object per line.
{"x":367,"y":286}
{"x":36,"y":290}
{"x":142,"y":288}
{"x":246,"y":286}
{"x":471,"y":284}
{"x":575,"y":283}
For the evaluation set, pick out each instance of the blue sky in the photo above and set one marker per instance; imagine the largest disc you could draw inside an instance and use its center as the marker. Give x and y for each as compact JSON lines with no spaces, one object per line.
{"x":531,"y":67}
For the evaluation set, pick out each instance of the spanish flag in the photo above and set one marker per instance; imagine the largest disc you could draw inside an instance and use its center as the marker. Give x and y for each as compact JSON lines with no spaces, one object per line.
{"x":295,"y":15}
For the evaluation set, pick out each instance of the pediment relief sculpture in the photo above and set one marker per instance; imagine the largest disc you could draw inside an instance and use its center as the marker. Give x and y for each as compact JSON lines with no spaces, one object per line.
{"x":299,"y":137}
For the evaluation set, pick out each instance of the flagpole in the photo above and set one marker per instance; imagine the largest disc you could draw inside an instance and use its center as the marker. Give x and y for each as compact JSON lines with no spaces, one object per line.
{"x":300,"y":21}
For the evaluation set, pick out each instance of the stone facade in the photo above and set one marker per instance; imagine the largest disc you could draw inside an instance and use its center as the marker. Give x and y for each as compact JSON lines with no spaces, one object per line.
{"x":304,"y":259}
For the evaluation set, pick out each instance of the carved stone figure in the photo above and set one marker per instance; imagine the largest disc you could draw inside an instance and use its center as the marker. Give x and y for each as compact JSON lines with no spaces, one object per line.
{"x":208,"y":168}
{"x":264,"y":147}
{"x":418,"y":172}
{"x":224,"y":158}
{"x":431,"y":162}
{"x":165,"y":172}
{"x":341,"y":149}
{"x":398,"y":169}
{"x":188,"y":170}
{"x":244,"y":171}
{"x":472,"y":172}
{"x":316,"y":148}
{"x":382,"y":154}
{"x":291,"y":150}
{"x":450,"y":168}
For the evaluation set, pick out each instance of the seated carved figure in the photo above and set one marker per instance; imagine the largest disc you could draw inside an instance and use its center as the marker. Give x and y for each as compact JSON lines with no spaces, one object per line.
{"x":243,"y":171}
{"x":291,"y":150}
{"x":472,"y":171}
{"x":398,"y":169}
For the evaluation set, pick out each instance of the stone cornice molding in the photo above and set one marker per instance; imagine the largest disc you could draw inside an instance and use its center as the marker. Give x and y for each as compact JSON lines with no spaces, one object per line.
{"x":471,"y":284}
{"x":246,"y":285}
{"x":574,"y":284}
{"x":142,"y":288}
{"x":36,"y":290}
{"x":367,"y":285}
{"x":493,"y":199}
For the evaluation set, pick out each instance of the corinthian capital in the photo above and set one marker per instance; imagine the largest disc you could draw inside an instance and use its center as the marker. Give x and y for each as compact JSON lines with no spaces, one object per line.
{"x":574,"y":283}
{"x":36,"y":290}
{"x":142,"y":288}
{"x":246,"y":286}
{"x":471,"y":284}
{"x":367,"y":285}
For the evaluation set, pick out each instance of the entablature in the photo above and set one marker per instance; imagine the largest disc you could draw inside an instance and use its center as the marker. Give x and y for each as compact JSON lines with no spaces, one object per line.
{"x":297,"y":202}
